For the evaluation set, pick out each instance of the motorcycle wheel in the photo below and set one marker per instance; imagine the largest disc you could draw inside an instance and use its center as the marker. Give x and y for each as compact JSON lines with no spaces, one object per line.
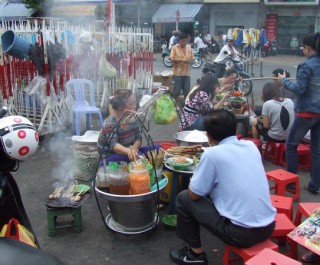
{"x":166,"y":61}
{"x":245,"y":87}
{"x":197,"y":62}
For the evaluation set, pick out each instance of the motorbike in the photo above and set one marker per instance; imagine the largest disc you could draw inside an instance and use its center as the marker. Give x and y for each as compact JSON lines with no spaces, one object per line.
{"x":13,"y":251}
{"x":232,"y":62}
{"x":270,"y":48}
{"x":159,"y":44}
{"x":167,"y":62}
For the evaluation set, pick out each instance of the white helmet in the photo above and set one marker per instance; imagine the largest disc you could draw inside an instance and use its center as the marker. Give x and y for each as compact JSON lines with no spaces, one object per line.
{"x":230,"y":37}
{"x":18,"y":137}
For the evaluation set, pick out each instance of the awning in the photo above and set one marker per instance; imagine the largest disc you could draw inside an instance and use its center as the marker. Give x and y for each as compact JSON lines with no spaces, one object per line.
{"x":15,"y":11}
{"x":168,"y":13}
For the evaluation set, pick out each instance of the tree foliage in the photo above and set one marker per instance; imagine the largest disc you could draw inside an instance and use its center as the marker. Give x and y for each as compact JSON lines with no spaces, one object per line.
{"x":39,"y":5}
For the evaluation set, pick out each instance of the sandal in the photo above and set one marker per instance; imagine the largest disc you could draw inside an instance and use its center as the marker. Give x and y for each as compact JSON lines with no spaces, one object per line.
{"x":310,"y":257}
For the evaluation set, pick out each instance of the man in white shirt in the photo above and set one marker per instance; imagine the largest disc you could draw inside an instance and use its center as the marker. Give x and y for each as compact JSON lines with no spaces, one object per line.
{"x":227,"y":50}
{"x":198,"y":42}
{"x":174,"y":39}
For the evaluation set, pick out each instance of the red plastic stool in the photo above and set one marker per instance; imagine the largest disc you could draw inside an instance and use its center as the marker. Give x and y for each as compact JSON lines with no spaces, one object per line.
{"x":305,"y":209}
{"x":272,"y":151}
{"x":270,"y":257}
{"x":283,"y":204}
{"x":283,"y":227}
{"x":304,"y":158}
{"x":282,"y":178}
{"x":247,"y":253}
{"x":257,"y":142}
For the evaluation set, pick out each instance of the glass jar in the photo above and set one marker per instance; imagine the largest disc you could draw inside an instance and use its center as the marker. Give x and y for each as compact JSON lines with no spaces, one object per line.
{"x":118,"y":180}
{"x":139,"y":179}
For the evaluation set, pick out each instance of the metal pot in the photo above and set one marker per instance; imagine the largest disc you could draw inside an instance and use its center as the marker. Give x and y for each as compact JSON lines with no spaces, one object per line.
{"x":191,"y":138}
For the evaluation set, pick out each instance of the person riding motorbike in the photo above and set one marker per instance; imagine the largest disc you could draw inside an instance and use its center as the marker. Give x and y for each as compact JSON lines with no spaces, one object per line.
{"x":199,"y":44}
{"x":18,"y":141}
{"x":174,"y":39}
{"x":227,"y":50}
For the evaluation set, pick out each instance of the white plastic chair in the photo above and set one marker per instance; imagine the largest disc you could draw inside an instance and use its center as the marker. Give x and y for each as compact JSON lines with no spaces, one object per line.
{"x":78,"y":89}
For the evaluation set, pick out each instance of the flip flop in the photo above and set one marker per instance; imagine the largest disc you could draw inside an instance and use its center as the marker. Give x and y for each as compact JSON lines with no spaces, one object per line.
{"x":310,"y":257}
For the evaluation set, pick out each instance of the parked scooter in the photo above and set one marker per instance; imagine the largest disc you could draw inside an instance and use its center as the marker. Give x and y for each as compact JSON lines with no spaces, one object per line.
{"x":13,"y":149}
{"x":270,"y":48}
{"x":233,"y":62}
{"x":167,"y":62}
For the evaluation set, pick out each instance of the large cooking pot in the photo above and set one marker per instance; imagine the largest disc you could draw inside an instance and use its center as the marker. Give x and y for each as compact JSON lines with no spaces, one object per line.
{"x":191,"y":138}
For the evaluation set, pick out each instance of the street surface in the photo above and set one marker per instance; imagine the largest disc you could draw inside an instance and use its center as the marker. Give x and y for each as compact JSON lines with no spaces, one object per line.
{"x":95,"y":245}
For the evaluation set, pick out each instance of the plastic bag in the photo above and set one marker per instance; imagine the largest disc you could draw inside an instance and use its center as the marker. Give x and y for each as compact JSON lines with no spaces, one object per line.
{"x":37,"y":87}
{"x":17,"y":231}
{"x":165,"y":112}
{"x":105,"y":68}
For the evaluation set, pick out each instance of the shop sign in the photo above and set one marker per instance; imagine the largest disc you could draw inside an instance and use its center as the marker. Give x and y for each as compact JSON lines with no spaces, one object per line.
{"x":271,"y":26}
{"x":73,"y":10}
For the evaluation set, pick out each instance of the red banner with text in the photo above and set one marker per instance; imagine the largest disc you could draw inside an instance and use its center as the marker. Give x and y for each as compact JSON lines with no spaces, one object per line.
{"x":271,"y":26}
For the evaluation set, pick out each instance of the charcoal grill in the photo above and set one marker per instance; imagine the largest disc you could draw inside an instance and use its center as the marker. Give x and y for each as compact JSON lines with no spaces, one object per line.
{"x":66,"y":202}
{"x":64,"y":206}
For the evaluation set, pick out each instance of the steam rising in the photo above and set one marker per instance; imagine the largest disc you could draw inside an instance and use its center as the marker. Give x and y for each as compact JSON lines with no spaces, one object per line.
{"x":60,"y":149}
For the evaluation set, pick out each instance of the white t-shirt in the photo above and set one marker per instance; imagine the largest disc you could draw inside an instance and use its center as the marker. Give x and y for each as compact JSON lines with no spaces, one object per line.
{"x":222,"y":55}
{"x":199,"y":43}
{"x":171,"y":41}
{"x":207,"y":37}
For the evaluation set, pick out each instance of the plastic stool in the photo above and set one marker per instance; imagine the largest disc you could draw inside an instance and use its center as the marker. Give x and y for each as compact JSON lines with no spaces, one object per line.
{"x":304,"y":158}
{"x":247,"y":253}
{"x":305,"y":209}
{"x":53,"y":213}
{"x":282,"y":178}
{"x":257,"y":142}
{"x":283,"y":204}
{"x":270,"y":257}
{"x":283,"y":227}
{"x":272,"y":151}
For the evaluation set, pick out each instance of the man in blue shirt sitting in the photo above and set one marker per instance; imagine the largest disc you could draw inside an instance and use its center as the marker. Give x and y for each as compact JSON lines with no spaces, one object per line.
{"x":228,"y":194}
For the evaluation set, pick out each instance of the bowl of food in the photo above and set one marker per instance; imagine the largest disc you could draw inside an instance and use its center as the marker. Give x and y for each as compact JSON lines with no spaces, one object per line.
{"x":191,"y":138}
{"x":180,"y":162}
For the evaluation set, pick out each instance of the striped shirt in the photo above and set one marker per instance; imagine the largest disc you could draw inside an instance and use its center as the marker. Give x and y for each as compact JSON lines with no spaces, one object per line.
{"x":113,"y":135}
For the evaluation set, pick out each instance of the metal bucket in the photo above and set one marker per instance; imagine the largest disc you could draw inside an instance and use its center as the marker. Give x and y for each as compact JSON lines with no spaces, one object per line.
{"x":132,"y":213}
{"x":14,"y":45}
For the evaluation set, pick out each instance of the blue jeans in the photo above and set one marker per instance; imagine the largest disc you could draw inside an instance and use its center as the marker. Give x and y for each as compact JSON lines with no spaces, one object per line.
{"x":299,"y":129}
{"x":181,"y":83}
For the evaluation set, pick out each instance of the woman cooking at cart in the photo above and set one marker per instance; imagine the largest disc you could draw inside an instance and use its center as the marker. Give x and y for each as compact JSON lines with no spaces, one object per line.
{"x":120,"y":137}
